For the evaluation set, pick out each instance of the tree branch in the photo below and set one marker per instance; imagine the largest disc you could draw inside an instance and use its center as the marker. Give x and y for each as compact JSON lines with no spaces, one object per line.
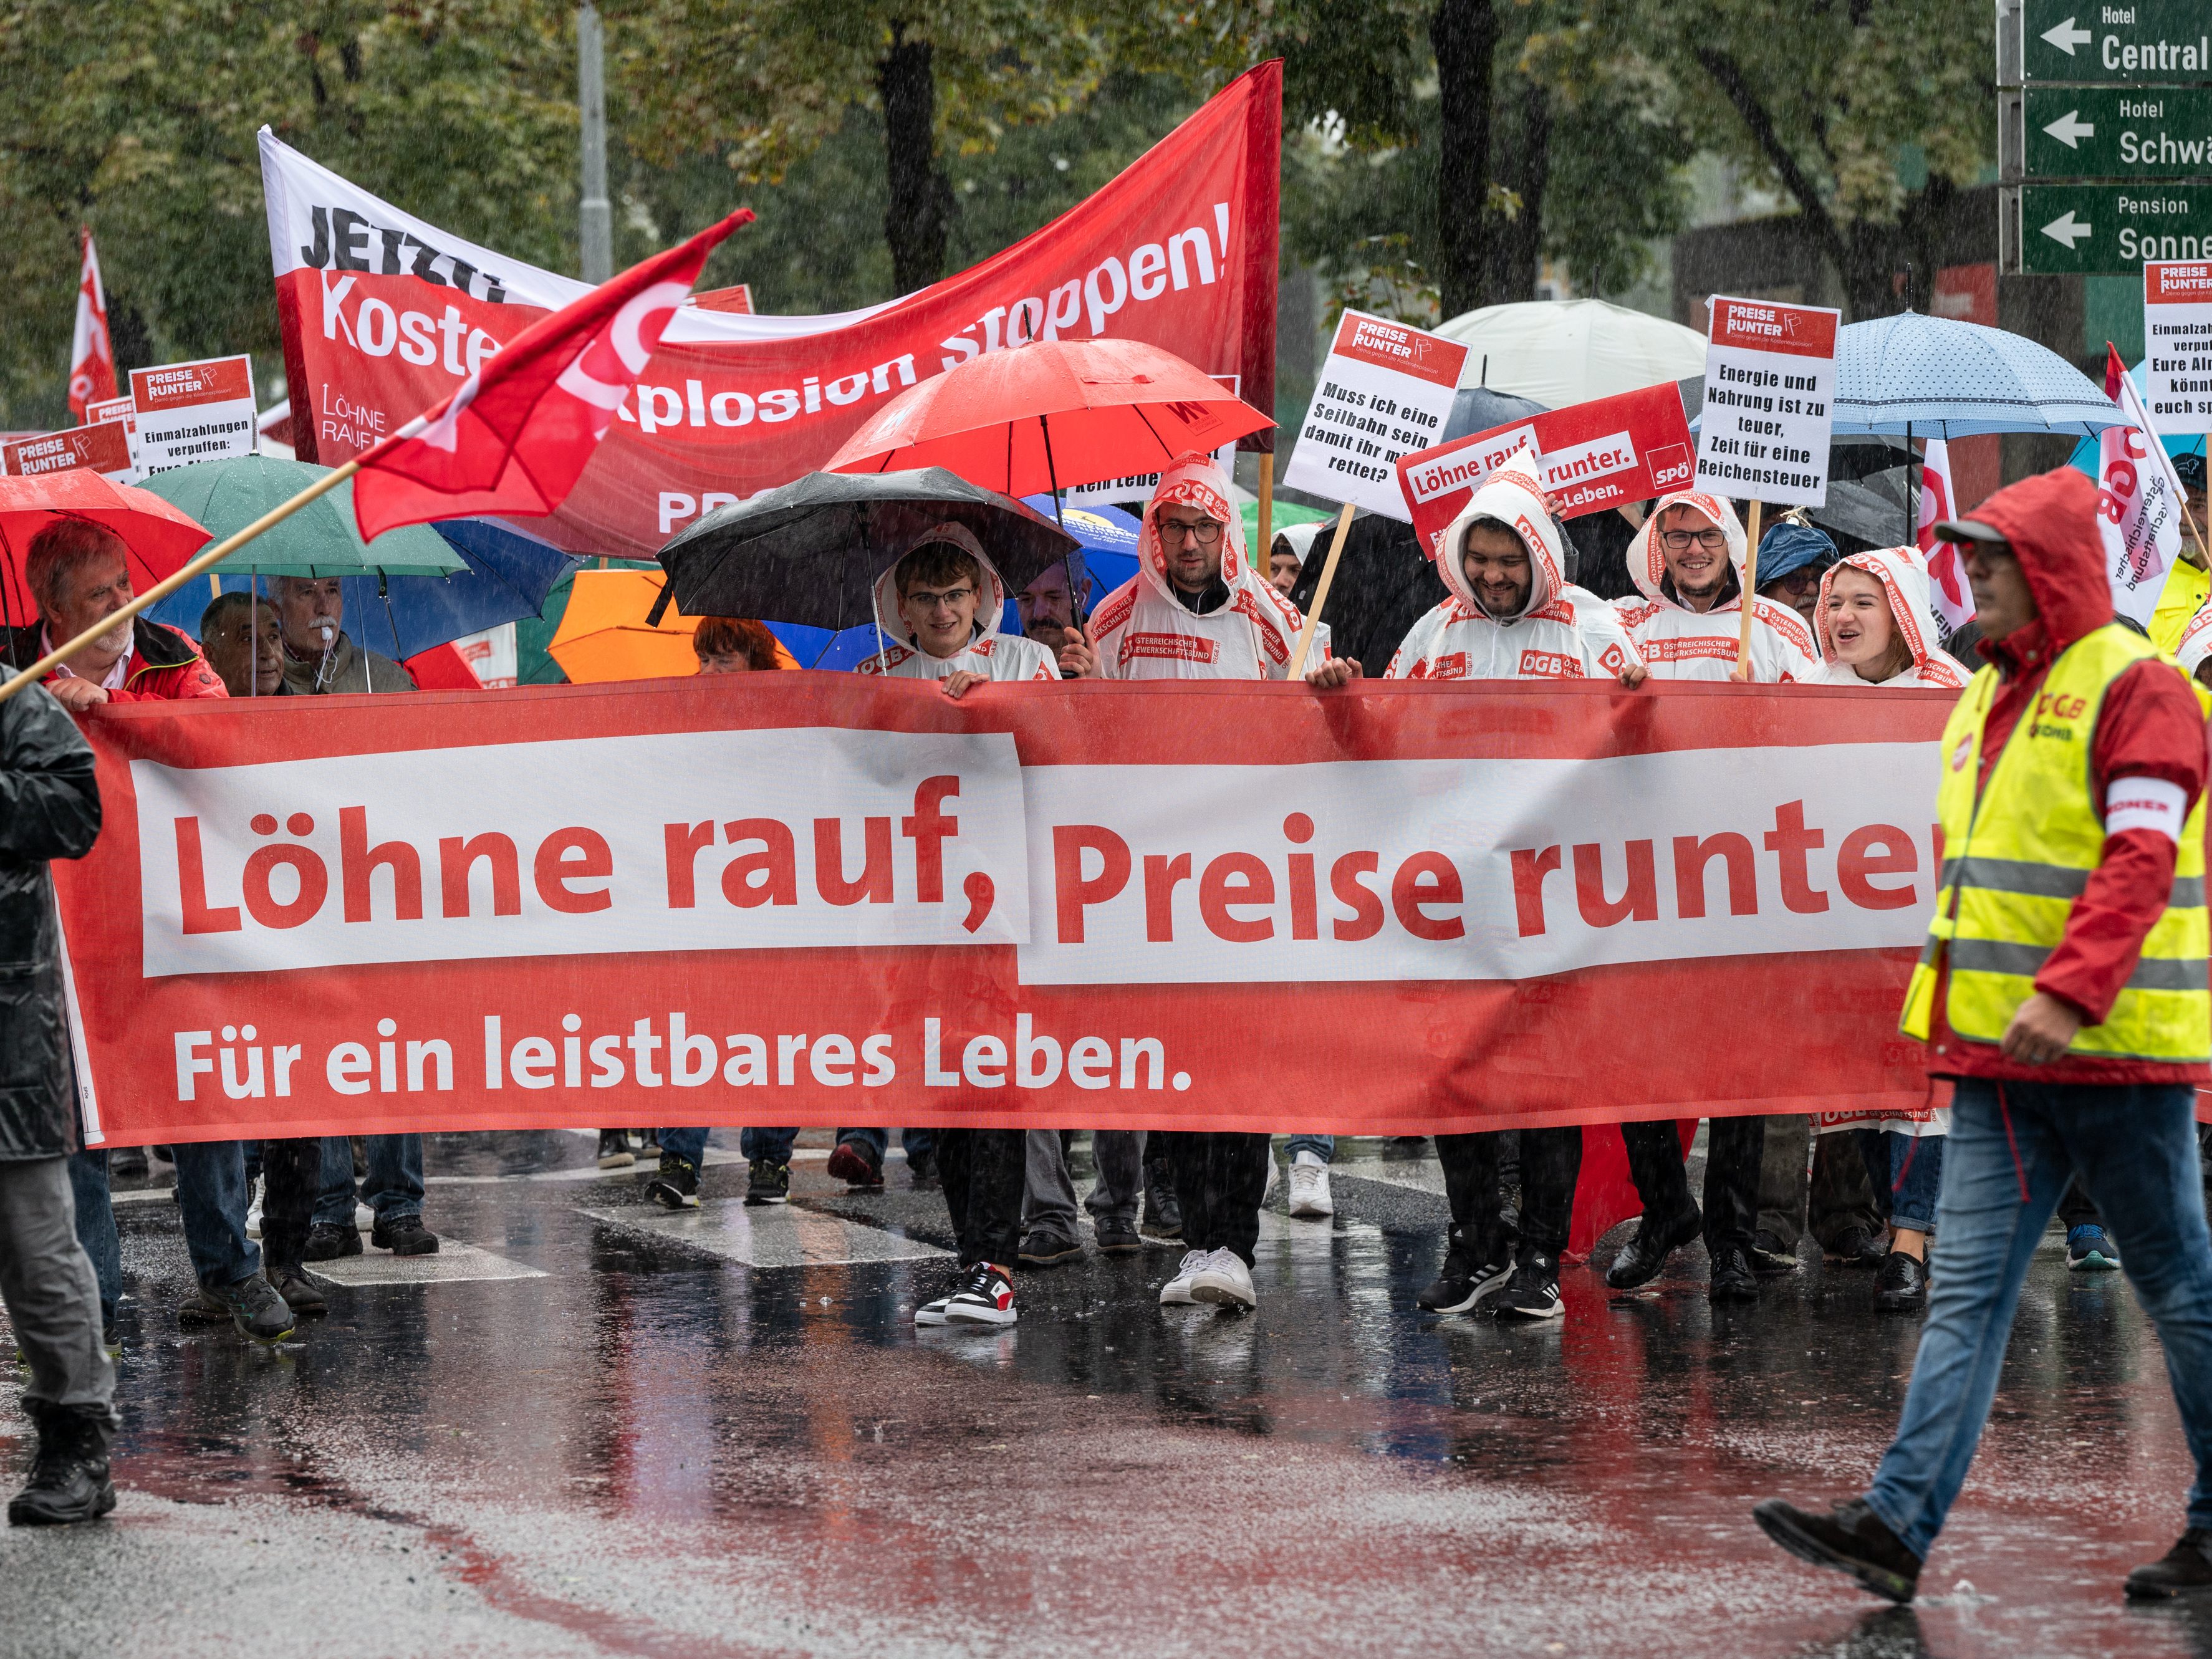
{"x":1729,"y":77}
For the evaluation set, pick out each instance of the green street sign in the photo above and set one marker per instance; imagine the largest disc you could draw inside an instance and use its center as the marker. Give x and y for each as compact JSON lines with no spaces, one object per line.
{"x":2110,"y":132}
{"x":2145,"y":42}
{"x":2105,"y":229}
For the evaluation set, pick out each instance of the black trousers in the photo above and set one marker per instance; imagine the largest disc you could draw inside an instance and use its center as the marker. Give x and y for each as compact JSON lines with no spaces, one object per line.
{"x":1220,"y":1182}
{"x":293,"y":1172}
{"x":981,"y":1172}
{"x":1551,"y":1164}
{"x":1734,"y":1148}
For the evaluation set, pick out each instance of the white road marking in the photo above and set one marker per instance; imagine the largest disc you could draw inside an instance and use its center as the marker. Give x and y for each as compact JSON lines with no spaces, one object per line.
{"x":771,"y":1236}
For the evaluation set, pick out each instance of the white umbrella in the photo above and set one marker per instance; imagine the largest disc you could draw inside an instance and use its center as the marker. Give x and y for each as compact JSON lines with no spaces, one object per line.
{"x":1569,"y":351}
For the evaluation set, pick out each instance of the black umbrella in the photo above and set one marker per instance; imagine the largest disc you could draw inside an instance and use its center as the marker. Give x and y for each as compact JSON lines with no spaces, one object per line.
{"x":1478,"y":409}
{"x":1872,"y":509}
{"x":811,"y":551}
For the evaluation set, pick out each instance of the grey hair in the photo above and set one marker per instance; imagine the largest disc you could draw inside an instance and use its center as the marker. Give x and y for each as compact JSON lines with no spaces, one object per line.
{"x":60,"y":550}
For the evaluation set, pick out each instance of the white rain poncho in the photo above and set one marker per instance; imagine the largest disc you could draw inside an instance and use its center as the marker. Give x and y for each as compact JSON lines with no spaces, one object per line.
{"x":995,"y":655}
{"x":1144,"y":631}
{"x":1678,"y":643}
{"x":1550,"y":637}
{"x":1911,"y":610}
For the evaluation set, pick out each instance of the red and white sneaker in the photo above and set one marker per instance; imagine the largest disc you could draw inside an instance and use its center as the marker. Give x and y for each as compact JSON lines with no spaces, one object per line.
{"x":986,"y":1297}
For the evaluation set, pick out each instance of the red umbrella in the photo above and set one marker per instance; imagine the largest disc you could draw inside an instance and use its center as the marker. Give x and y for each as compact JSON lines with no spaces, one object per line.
{"x":160,"y":537}
{"x":1052,"y":414}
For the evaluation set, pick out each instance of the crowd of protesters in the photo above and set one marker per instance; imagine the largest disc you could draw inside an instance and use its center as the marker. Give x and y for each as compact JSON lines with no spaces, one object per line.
{"x":1496,"y":598}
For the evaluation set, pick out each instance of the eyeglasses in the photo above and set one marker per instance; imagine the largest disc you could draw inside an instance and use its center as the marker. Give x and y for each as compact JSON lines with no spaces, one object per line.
{"x":1679,"y":541}
{"x":951,"y":599}
{"x":1205,"y":533}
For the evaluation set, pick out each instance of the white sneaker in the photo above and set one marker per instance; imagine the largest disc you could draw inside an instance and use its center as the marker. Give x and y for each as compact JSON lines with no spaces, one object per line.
{"x":1176,"y":1293}
{"x":1310,"y":1187}
{"x":253,"y":1213}
{"x":364,"y":1219}
{"x":931,"y":1313}
{"x":1223,"y":1277}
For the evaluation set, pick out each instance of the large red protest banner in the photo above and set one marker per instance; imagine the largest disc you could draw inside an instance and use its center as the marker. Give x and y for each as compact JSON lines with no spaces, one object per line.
{"x":384,"y":314}
{"x":798,"y":897}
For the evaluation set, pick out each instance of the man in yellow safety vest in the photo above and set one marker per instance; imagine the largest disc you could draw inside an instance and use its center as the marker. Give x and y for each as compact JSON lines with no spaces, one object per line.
{"x":2064,"y":989}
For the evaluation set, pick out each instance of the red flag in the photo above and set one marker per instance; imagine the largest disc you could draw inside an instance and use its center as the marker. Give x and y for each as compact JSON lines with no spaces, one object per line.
{"x":92,"y":353}
{"x":515,"y":436}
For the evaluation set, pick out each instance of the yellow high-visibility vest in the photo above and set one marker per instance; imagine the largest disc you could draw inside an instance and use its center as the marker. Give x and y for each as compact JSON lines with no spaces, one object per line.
{"x":2016,"y":860}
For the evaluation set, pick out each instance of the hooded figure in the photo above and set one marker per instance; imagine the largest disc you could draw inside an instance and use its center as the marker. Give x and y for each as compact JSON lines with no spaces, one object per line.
{"x":1682,"y":644}
{"x":990,"y":654}
{"x":1239,"y":629}
{"x":1912,"y":612}
{"x":2196,"y":642}
{"x":1549,"y":636}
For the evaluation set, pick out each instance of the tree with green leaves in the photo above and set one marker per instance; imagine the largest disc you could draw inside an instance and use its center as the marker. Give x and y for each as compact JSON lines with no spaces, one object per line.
{"x":1869,"y":116}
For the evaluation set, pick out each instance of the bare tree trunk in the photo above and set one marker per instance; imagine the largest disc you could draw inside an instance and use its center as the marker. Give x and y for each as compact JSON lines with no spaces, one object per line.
{"x":1516,"y":253}
{"x":916,"y":220}
{"x":1464,"y":35}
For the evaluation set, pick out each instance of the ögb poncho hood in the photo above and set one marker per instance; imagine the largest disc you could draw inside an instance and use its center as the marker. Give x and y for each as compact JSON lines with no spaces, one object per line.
{"x":990,"y":601}
{"x":1647,"y":561}
{"x":1911,"y":610}
{"x":1513,"y":494}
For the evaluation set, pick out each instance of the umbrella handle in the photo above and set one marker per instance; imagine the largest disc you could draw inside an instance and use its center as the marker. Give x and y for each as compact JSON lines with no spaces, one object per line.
{"x":198,"y":566}
{"x":660,"y":602}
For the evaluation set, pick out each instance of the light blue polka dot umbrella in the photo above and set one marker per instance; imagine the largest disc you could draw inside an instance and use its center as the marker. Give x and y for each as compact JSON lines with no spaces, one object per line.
{"x":1935,"y":377}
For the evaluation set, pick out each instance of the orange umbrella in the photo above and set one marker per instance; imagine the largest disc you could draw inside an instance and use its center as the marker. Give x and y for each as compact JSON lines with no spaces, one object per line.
{"x":603,"y":634}
{"x":160,"y":537}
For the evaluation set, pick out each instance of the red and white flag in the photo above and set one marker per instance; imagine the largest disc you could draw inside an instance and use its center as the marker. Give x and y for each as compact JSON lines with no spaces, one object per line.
{"x":516,"y":435}
{"x":92,"y":353}
{"x":1954,"y":600}
{"x":2138,"y":500}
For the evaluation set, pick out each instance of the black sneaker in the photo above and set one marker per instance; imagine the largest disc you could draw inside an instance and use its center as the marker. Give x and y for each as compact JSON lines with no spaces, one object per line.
{"x":251,"y":1305}
{"x":922,"y":1166}
{"x":69,"y":1479}
{"x":1533,"y":1292}
{"x":1463,"y":1281}
{"x":128,"y":1163}
{"x":404,"y":1235}
{"x":1642,"y":1259}
{"x":1163,"y":1217}
{"x":615,"y":1150}
{"x":1850,"y":1538}
{"x":856,"y":1165}
{"x":986,"y":1297}
{"x":1042,"y":1249}
{"x":2185,"y":1570}
{"x":1117,"y":1237}
{"x":1901,"y":1286}
{"x":765,"y":1183}
{"x":1769,"y":1259}
{"x":301,"y":1293}
{"x":676,"y":1186}
{"x":327,"y":1242}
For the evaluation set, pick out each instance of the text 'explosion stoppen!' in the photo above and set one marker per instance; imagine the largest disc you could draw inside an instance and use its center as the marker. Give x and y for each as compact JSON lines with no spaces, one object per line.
{"x":1129,"y":905}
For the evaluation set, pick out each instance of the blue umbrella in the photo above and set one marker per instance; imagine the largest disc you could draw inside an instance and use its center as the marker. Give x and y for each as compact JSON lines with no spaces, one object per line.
{"x":1912,"y":376}
{"x":1108,"y":538}
{"x":509,"y":572}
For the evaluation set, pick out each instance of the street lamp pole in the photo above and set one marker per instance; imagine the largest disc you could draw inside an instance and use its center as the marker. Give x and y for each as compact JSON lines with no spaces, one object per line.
{"x":596,"y":225}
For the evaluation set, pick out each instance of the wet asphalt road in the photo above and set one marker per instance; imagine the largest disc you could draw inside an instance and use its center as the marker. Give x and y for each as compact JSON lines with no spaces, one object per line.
{"x":603,"y":1430}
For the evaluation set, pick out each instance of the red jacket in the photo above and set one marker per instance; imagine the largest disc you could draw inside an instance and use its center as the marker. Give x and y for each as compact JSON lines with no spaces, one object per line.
{"x":165,"y":665}
{"x":2150,"y":726}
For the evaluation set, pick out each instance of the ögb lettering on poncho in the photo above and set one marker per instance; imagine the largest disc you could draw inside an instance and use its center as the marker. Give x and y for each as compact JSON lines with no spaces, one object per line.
{"x":1411,"y":908}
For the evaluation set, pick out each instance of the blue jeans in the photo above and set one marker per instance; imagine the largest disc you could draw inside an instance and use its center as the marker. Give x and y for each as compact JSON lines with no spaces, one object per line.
{"x":2136,"y":1148}
{"x":211,"y":1193}
{"x":1915,"y":1178}
{"x":879,"y":1141}
{"x":772,"y":1144}
{"x":95,"y":1223}
{"x":393,"y":1187}
{"x":1321,"y":1146}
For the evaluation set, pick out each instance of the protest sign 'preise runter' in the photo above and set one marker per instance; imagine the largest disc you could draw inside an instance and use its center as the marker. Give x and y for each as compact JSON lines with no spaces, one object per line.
{"x":1386,"y":391}
{"x":1770,"y":402}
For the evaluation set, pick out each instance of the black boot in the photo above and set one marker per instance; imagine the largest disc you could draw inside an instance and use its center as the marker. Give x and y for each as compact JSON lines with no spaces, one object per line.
{"x":1163,"y":1217}
{"x":1901,"y":1286}
{"x":1640,"y":1262}
{"x":68,"y":1476}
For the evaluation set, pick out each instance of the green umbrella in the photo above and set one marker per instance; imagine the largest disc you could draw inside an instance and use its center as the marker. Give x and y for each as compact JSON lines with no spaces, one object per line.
{"x":319,"y":540}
